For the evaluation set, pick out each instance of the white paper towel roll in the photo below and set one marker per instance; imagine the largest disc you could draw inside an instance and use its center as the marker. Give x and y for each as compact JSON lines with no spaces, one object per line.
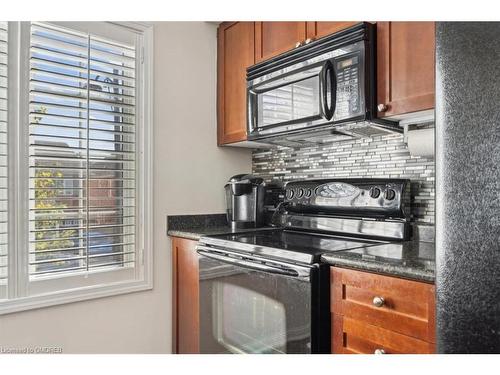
{"x":421,"y":142}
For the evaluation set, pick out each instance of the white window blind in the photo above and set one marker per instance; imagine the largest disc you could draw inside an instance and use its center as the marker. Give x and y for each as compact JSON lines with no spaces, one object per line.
{"x":3,"y":161}
{"x":82,"y":153}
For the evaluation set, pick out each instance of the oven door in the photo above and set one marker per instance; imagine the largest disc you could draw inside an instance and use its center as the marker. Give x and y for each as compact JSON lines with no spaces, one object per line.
{"x":247,"y":306}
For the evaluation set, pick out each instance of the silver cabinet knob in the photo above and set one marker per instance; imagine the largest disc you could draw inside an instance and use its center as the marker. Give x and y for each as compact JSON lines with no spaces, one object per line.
{"x":379,"y":351}
{"x":308,"y":40}
{"x":298,"y":44}
{"x":378,"y":301}
{"x":382,"y":107}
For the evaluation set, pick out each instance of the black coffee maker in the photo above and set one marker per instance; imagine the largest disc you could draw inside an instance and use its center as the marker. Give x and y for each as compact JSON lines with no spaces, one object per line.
{"x":248,"y":199}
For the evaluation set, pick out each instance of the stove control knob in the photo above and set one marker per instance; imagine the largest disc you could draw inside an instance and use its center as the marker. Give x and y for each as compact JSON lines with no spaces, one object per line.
{"x":390,"y":194}
{"x":375,"y":192}
{"x":308,"y":193}
{"x":289,"y":194}
{"x":300,"y":193}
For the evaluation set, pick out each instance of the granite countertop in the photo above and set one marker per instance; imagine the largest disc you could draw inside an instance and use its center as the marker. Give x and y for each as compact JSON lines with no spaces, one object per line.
{"x":414,"y":260}
{"x":193,"y":227}
{"x":195,"y":233}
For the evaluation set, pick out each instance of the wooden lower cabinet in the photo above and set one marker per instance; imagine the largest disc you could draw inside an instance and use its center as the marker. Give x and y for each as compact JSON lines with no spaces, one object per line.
{"x":185,"y":292}
{"x":370,"y":313}
{"x":374,"y":313}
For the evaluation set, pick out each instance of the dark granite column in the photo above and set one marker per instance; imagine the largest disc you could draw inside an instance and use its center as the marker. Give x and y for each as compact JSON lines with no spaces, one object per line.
{"x":468,"y":187}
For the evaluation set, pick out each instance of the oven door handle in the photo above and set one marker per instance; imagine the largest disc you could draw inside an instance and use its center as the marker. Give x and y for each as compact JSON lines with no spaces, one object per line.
{"x":328,"y":83}
{"x":250,"y":264}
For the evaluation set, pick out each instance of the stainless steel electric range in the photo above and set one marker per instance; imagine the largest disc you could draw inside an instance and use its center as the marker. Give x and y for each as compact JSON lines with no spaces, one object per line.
{"x":266,"y":291}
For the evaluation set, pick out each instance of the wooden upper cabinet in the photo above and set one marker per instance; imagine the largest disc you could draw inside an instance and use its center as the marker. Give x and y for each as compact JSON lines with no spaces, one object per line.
{"x":317,"y":30}
{"x":235,"y":53}
{"x":274,"y":38}
{"x":405,"y":67}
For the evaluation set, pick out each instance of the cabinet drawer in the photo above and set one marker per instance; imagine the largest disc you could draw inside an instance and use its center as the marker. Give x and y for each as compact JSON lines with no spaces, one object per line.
{"x":351,"y":336}
{"x":408,"y":306}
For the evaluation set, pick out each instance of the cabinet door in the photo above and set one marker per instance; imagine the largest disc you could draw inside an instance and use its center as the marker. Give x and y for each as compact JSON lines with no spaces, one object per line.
{"x":405,"y":67}
{"x":186,"y":319}
{"x":273,"y":38}
{"x":317,"y":30}
{"x":235,"y":53}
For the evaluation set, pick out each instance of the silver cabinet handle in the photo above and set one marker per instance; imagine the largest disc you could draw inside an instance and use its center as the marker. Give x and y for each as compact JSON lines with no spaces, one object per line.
{"x":382,"y":107}
{"x":298,"y":44}
{"x":378,"y":301}
{"x":308,"y":40}
{"x":379,"y":351}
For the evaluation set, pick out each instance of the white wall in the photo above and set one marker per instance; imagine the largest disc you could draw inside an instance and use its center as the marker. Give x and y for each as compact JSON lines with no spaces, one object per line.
{"x":189,"y":173}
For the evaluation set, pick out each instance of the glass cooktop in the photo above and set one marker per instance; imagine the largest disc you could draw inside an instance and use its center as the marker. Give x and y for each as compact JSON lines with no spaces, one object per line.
{"x":303,"y":247}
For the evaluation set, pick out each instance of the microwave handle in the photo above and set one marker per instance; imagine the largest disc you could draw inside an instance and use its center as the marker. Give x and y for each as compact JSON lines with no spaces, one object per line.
{"x":328,"y":80}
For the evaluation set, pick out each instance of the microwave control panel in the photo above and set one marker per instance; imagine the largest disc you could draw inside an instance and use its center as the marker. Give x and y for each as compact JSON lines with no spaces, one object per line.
{"x":348,"y":70}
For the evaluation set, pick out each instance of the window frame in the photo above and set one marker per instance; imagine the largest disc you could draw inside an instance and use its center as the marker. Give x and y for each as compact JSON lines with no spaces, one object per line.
{"x":3,"y":281}
{"x":24,"y":294}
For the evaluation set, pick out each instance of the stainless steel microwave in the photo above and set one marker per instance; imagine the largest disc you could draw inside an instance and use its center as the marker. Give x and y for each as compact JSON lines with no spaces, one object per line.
{"x":325,"y":88}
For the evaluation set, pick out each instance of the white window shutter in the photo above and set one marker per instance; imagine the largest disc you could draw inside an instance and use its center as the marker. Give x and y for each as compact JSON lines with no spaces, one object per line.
{"x":82,"y":153}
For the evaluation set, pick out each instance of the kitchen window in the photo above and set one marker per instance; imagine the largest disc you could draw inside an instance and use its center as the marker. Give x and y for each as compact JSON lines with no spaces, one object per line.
{"x":75,"y":162}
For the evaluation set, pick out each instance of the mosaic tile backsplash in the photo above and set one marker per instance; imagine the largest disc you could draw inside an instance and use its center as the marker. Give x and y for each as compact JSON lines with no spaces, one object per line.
{"x":378,"y":157}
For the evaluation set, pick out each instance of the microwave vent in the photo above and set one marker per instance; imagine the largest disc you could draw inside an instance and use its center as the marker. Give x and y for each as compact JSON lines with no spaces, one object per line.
{"x":368,"y":130}
{"x":335,"y":133}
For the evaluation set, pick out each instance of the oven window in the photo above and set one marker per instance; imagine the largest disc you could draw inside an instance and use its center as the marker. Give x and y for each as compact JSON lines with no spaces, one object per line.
{"x":246,"y":321}
{"x":290,"y":102}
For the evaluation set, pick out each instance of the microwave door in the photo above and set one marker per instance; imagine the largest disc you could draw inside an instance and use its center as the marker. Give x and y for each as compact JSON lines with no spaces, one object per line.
{"x":293,"y":100}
